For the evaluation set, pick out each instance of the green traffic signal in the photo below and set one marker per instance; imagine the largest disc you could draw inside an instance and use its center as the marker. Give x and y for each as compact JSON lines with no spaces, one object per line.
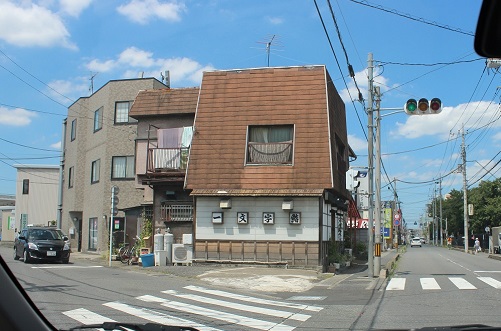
{"x":410,"y":106}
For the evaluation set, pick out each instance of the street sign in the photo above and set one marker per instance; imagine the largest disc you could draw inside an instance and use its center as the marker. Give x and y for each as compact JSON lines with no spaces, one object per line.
{"x":397,"y":222}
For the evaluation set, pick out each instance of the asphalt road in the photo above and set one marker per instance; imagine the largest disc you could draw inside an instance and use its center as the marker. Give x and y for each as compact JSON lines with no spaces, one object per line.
{"x":435,"y":286}
{"x":431,"y":287}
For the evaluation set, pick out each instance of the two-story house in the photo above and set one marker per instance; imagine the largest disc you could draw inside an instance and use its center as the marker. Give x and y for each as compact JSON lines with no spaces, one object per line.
{"x":267,"y":166}
{"x":164,"y":131}
{"x":99,"y":152}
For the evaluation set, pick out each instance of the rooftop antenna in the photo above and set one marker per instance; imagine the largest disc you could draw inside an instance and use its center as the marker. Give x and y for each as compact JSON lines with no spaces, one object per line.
{"x":91,"y":88}
{"x":273,"y":39}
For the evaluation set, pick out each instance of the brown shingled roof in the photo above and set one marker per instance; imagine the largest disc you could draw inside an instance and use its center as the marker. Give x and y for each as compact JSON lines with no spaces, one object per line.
{"x":165,"y":101}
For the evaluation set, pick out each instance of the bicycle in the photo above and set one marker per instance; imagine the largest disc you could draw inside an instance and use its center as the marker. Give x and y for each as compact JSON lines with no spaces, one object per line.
{"x":126,"y":253}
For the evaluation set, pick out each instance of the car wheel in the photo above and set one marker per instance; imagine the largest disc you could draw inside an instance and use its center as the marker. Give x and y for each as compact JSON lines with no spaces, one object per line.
{"x":26,"y":256}
{"x":16,"y":257}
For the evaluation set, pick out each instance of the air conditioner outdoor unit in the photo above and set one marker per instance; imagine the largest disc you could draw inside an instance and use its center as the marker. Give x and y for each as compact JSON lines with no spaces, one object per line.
{"x":182,"y":253}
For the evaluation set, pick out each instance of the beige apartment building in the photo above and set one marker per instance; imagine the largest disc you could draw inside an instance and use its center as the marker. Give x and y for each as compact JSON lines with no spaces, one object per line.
{"x":99,"y":147}
{"x":36,"y":195}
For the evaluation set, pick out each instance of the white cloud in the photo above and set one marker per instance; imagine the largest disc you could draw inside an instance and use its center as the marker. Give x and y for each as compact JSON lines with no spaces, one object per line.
{"x":32,"y":25}
{"x":74,"y":7}
{"x":133,"y":61}
{"x":474,"y":115}
{"x":101,"y":66}
{"x":275,"y":20}
{"x":15,"y":117}
{"x":356,"y":143}
{"x":141,"y":11}
{"x":66,"y":91}
{"x":56,"y":145}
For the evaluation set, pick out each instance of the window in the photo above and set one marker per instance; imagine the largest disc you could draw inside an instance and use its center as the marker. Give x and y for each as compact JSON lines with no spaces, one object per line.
{"x":71,"y":171}
{"x":94,"y":172}
{"x":270,"y":144}
{"x":122,"y":112}
{"x":93,"y":233}
{"x":122,"y":167}
{"x":73,"y":129}
{"x":98,"y":119}
{"x":26,"y":186}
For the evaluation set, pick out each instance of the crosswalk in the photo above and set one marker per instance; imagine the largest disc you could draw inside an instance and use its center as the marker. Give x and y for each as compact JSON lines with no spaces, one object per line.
{"x":171,"y":307}
{"x":430,"y":283}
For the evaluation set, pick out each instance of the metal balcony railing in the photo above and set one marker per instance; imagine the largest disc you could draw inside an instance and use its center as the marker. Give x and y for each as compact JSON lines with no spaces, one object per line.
{"x":167,"y":159}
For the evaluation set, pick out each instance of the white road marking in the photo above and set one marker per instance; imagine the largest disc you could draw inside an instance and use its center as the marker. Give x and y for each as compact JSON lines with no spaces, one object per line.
{"x":429,"y":284}
{"x":462,"y":283}
{"x":86,"y":317}
{"x":156,"y":317}
{"x":396,"y":284}
{"x":487,"y":271}
{"x":239,"y":306}
{"x":253,"y":299}
{"x":219,"y":315}
{"x":491,"y":281}
{"x":68,"y":267}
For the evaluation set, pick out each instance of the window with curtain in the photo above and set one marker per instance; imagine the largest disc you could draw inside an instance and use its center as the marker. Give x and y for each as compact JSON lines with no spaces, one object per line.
{"x":98,"y":119}
{"x":270,"y":144}
{"x":122,"y":112}
{"x":122,"y":167}
{"x":94,"y":173}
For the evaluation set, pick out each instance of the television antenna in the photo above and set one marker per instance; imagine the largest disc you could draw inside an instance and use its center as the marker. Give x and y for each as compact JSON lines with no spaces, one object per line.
{"x":270,"y":40}
{"x":91,"y":88}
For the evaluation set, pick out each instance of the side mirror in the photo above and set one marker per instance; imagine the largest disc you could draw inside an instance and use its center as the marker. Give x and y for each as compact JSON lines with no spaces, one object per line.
{"x":488,"y":34}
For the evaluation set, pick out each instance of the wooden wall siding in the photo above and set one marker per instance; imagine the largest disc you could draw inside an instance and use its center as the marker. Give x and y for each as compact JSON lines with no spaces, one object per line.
{"x":230,"y":101}
{"x":281,"y":230}
{"x":291,"y":253}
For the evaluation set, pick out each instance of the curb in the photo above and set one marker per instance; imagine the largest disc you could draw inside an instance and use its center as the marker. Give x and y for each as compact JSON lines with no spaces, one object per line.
{"x":388,"y":268}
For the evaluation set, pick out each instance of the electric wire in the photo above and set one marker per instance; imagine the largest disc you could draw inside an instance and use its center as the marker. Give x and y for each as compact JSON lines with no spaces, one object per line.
{"x":412,"y":17}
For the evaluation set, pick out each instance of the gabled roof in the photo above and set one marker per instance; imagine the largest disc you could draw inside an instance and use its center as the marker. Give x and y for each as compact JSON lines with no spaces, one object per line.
{"x":165,"y":102}
{"x":232,"y":101}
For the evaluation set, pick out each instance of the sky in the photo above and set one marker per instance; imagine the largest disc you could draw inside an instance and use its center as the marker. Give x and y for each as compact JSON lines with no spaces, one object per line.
{"x":50,"y":49}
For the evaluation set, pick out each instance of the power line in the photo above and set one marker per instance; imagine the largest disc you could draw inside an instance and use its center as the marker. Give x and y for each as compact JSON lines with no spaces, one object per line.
{"x":411,"y":17}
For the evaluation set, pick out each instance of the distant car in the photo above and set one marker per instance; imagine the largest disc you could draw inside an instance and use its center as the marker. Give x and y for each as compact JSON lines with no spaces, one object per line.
{"x":416,"y":242}
{"x":42,"y":243}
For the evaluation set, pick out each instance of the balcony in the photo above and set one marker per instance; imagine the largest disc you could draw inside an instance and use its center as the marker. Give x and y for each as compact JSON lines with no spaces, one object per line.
{"x":167,"y":159}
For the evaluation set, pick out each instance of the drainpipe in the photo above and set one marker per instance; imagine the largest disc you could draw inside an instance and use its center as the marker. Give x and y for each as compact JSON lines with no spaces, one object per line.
{"x":59,"y":216}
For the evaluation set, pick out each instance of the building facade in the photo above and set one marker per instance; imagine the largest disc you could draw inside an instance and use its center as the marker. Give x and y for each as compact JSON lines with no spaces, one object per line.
{"x":165,"y":128}
{"x":99,"y":153}
{"x":267,"y":166}
{"x":36,"y":195}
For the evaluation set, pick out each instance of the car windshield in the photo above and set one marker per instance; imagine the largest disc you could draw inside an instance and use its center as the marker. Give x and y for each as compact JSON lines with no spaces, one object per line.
{"x":251,"y":165}
{"x":45,"y":235}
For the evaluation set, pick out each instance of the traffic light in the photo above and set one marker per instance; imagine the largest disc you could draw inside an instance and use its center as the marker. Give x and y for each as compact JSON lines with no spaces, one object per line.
{"x":423,"y":106}
{"x":114,"y":200}
{"x":410,"y":106}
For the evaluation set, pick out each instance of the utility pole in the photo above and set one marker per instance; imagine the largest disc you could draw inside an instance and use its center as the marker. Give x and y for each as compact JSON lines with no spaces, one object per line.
{"x":377,"y":177}
{"x":440,"y":212}
{"x":465,"y":191}
{"x":370,"y":147}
